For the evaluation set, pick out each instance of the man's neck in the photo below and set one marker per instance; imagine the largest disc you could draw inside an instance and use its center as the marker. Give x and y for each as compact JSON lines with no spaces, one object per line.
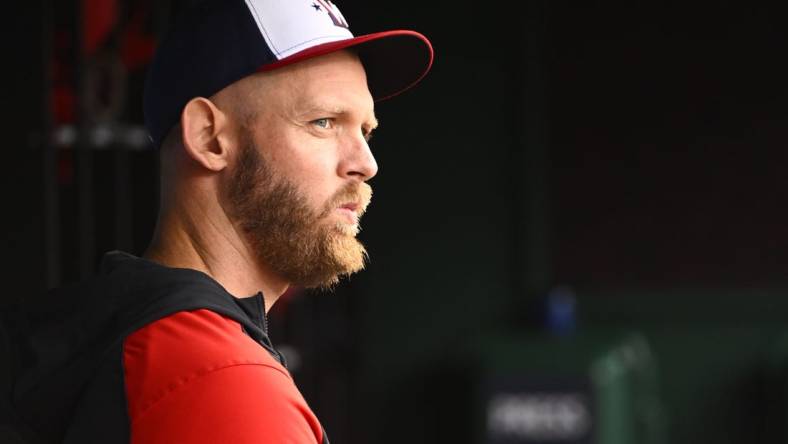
{"x":217,"y":250}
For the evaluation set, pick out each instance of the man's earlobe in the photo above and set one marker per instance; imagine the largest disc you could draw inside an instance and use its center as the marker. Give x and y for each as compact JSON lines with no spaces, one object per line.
{"x":202,"y":123}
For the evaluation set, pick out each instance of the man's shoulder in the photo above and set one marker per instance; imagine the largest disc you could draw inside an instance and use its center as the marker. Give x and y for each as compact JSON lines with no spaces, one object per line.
{"x":173,"y":353}
{"x":126,"y":283}
{"x":65,"y":338}
{"x":201,"y":336}
{"x":139,"y":292}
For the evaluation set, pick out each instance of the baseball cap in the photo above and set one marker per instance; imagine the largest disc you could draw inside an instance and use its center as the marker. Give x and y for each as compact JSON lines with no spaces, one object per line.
{"x":214,"y":43}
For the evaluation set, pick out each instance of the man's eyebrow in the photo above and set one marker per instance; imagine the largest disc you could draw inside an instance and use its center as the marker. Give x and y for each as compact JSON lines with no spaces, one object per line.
{"x":314,"y":107}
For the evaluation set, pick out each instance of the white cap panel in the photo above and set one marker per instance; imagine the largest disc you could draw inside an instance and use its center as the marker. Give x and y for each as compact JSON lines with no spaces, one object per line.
{"x":291,"y":26}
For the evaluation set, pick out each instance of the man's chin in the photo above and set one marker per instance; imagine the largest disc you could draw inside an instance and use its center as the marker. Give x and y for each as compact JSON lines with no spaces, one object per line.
{"x":345,"y":229}
{"x":342,"y":256}
{"x":349,"y":254}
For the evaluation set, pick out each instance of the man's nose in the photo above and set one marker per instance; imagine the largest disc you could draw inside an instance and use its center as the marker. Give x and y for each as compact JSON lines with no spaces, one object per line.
{"x":358,"y":161}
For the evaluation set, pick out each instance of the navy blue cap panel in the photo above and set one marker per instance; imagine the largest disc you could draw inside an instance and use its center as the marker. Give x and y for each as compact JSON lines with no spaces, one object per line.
{"x":210,"y":46}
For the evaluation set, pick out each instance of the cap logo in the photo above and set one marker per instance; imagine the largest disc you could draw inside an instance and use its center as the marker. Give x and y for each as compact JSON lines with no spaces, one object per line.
{"x":291,"y":26}
{"x":333,"y":12}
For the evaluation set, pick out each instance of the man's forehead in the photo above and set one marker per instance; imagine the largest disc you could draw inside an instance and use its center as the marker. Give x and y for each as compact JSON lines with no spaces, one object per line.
{"x":339,"y":64}
{"x":333,"y":84}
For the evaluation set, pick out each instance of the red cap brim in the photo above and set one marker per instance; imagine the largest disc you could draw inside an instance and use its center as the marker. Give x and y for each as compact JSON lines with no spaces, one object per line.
{"x":394,"y":61}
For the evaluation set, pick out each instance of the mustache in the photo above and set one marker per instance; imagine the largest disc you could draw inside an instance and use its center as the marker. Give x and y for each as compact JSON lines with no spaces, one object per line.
{"x":359,"y":194}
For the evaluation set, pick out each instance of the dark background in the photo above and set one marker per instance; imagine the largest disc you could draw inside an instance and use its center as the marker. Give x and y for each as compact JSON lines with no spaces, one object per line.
{"x":628,"y":153}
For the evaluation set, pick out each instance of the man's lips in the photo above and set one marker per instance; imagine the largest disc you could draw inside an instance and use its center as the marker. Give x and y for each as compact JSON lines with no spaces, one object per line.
{"x":352,"y":206}
{"x":352,"y":211}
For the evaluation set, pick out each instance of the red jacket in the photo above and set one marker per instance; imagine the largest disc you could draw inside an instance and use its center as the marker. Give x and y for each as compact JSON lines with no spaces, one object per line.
{"x":148,"y":354}
{"x":196,"y":377}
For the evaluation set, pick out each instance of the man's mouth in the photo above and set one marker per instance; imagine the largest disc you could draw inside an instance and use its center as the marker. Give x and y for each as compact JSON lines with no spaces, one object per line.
{"x":352,"y":206}
{"x":350,"y":211}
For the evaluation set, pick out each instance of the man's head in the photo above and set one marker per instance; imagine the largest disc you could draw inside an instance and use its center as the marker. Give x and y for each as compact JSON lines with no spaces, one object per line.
{"x":274,"y":102}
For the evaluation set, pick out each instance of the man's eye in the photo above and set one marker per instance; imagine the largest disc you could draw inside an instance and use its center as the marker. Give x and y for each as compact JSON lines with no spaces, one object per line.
{"x":324,"y":123}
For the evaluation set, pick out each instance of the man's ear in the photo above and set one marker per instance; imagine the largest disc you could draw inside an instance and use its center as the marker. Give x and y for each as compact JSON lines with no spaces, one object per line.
{"x":202,"y":124}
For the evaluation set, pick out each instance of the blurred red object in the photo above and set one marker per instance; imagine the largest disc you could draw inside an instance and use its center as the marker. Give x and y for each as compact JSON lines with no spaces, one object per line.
{"x":100,"y":17}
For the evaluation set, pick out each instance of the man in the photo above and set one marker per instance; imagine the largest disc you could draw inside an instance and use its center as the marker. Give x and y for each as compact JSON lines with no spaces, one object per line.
{"x":262,"y":111}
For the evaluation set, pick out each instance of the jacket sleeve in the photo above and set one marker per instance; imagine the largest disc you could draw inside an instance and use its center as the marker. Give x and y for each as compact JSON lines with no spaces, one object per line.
{"x":195,"y":377}
{"x":238,"y":404}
